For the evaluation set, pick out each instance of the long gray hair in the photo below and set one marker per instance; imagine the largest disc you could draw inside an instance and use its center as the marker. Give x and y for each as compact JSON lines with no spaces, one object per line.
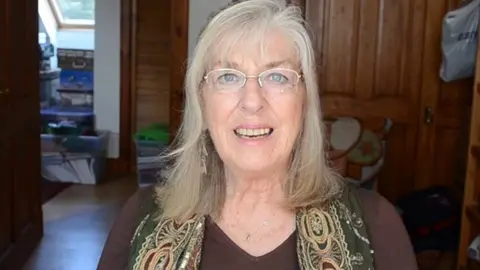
{"x":195,"y":183}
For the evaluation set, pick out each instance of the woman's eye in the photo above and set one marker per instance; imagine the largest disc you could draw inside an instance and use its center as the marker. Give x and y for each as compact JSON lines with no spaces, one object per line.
{"x":277,"y":78}
{"x":227,"y":78}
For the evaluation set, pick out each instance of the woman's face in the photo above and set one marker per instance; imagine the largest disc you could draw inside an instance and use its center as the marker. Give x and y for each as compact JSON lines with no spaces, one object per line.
{"x":254,"y":121}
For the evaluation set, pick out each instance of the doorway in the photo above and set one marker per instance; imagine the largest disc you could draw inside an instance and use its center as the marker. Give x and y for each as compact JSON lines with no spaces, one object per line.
{"x":20,"y":188}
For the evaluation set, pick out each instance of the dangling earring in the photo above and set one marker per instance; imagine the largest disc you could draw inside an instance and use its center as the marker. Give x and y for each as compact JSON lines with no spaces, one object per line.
{"x":204,"y":153}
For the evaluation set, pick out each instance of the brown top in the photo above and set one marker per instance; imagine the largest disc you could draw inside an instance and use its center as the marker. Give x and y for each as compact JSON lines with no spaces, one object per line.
{"x":390,"y":241}
{"x":219,"y":252}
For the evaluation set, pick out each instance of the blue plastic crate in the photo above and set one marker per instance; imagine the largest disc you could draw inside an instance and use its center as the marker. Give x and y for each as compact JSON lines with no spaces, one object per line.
{"x":81,"y":116}
{"x":76,"y":79}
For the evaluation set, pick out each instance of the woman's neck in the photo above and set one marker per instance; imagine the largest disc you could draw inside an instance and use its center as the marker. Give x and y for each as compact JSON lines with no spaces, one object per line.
{"x":251,"y":189}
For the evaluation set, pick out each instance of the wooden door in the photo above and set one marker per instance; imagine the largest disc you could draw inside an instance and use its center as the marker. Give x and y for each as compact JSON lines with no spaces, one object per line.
{"x":6,"y":214}
{"x":369,"y":58}
{"x":442,"y":144}
{"x":20,"y":136}
{"x":382,"y":59}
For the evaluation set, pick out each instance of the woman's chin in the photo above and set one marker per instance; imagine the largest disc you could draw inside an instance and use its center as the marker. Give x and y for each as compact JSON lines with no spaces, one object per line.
{"x":256,"y":166}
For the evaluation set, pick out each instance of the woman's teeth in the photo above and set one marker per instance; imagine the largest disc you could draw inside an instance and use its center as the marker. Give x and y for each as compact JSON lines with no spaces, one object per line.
{"x":253,"y":132}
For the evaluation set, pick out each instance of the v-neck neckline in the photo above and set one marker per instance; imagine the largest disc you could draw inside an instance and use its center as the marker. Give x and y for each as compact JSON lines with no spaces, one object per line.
{"x":227,"y":240}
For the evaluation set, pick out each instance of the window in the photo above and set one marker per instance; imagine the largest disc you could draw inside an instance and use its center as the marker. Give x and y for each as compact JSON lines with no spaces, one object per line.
{"x":74,"y":13}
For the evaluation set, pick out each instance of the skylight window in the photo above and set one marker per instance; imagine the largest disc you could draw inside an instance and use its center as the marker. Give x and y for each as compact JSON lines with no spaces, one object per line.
{"x":74,"y":13}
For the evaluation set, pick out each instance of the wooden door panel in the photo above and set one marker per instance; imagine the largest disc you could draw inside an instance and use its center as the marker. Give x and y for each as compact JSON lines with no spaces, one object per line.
{"x":6,"y":215}
{"x":6,"y":228}
{"x":441,"y":144}
{"x":152,"y":74}
{"x":370,"y":65}
{"x":364,"y":53}
{"x":26,"y":125}
{"x":178,"y":57}
{"x":20,"y":136}
{"x":397,"y":175}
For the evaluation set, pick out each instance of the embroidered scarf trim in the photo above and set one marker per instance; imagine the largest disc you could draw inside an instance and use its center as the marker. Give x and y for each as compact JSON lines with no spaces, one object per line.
{"x":334,"y":238}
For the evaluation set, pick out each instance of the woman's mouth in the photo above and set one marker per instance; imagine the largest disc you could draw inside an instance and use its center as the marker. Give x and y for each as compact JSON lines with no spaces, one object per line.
{"x":253,"y":133}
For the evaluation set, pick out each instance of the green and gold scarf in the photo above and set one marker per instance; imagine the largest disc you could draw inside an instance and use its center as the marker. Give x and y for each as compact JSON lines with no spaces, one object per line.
{"x":335,"y":238}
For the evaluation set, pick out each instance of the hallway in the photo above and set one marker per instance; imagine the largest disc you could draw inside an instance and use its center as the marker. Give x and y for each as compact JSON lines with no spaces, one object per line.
{"x":76,"y":224}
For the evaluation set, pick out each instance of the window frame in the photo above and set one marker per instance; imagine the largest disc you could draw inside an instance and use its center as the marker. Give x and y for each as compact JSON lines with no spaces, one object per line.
{"x":69,"y":24}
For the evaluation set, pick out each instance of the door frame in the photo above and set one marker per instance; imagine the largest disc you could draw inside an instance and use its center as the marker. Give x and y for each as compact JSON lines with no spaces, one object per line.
{"x":179,"y":57}
{"x":126,"y":162}
{"x":122,"y":165}
{"x":26,"y":217}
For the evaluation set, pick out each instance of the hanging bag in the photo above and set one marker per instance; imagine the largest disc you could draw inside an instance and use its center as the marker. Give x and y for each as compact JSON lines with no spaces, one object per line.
{"x":459,"y":42}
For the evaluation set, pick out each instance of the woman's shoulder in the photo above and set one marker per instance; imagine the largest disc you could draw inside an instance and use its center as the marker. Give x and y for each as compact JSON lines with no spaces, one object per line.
{"x":116,"y":251}
{"x":376,"y":208}
{"x":375,"y":203}
{"x":385,"y":226}
{"x":141,"y":203}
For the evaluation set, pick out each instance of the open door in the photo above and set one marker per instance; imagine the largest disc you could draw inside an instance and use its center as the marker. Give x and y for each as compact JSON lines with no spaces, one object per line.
{"x":20,"y":197}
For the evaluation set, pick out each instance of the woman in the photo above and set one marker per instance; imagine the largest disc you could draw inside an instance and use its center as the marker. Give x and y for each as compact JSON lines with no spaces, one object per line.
{"x":250,"y":187}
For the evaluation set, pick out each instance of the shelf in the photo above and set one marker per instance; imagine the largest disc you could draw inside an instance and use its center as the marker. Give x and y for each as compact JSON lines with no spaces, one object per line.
{"x":75,"y":90}
{"x":473,"y":212}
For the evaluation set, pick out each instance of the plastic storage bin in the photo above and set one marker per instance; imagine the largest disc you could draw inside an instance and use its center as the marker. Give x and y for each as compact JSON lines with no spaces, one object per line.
{"x":75,"y":98}
{"x":77,"y":68}
{"x":74,"y":159}
{"x":75,"y":59}
{"x":81,"y":116}
{"x":76,"y":79}
{"x":49,"y":82}
{"x":151,"y":143}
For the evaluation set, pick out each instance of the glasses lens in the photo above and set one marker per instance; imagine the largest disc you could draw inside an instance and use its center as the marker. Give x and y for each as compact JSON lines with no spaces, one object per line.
{"x":226,"y":79}
{"x":280,"y":79}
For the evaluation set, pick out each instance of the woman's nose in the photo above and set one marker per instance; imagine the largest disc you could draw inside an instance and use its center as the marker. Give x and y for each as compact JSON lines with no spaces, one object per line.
{"x":252,"y":99}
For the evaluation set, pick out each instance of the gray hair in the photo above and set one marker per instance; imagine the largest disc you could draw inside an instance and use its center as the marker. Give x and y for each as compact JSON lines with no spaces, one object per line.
{"x":188,"y":190}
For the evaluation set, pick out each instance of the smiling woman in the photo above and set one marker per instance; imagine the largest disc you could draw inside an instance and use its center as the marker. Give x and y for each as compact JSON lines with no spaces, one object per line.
{"x":249,"y":186}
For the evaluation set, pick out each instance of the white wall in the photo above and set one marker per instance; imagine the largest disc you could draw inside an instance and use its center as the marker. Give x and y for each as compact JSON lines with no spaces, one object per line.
{"x":50,"y":24}
{"x":199,"y":12}
{"x":76,"y":39}
{"x":107,"y":70}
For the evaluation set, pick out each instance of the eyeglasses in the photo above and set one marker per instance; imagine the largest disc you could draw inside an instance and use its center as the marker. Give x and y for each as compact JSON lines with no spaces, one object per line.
{"x":232,"y":80}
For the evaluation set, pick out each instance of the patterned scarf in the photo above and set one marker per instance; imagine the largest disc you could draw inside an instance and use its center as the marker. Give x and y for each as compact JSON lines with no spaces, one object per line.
{"x":334,"y":238}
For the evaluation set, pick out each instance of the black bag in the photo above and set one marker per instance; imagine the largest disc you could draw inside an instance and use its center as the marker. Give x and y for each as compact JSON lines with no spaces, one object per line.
{"x":432,"y":219}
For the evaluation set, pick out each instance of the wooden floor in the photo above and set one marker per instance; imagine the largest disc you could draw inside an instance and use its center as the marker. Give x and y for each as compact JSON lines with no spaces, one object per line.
{"x":76,"y":224}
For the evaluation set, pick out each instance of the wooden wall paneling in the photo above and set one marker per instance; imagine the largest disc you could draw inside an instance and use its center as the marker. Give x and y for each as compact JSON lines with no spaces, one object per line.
{"x":146,"y":48}
{"x":152,"y":62}
{"x":178,"y":60}
{"x":369,"y":67}
{"x":441,"y":145}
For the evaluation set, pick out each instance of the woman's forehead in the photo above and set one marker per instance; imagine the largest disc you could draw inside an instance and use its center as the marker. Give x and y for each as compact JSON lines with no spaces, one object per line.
{"x":252,"y":62}
{"x":270,"y":52}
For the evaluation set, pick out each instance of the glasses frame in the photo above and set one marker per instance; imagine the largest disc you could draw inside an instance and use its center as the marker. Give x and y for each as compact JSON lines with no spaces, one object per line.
{"x":299,"y":75}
